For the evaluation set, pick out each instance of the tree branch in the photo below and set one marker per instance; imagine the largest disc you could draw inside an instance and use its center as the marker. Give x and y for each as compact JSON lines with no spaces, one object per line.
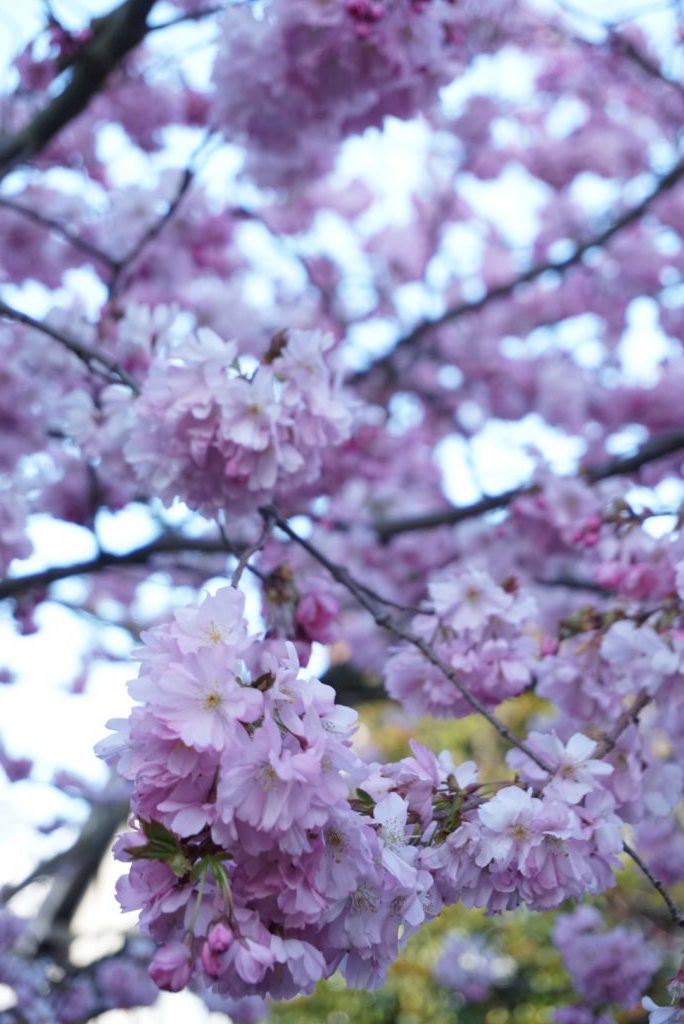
{"x":622,"y":44}
{"x":15,"y":586}
{"x":94,"y":360}
{"x":570,"y":583}
{"x":342,"y":576}
{"x":621,"y":465}
{"x":64,"y":232}
{"x":537,"y":270}
{"x":50,"y":927}
{"x":252,"y":549}
{"x":675,"y":913}
{"x":114,"y":36}
{"x":186,"y":179}
{"x":383,"y":620}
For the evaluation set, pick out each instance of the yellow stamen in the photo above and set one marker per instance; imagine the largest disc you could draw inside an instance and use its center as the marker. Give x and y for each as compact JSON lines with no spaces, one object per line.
{"x":212,"y":701}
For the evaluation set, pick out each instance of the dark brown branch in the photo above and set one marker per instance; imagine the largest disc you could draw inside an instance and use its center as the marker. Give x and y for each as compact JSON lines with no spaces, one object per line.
{"x":622,"y":44}
{"x":64,"y":232}
{"x":675,"y":913}
{"x":114,"y":36}
{"x":533,"y":273}
{"x":622,"y":465}
{"x":570,"y":583}
{"x":72,"y":872}
{"x":15,"y":586}
{"x":95,"y":361}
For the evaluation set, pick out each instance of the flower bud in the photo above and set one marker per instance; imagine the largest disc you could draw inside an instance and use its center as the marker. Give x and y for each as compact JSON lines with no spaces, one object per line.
{"x":171,"y":967}
{"x":212,"y":961}
{"x":220,"y":937}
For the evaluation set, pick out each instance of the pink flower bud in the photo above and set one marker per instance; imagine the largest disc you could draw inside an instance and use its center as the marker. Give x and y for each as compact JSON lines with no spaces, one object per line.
{"x":220,"y":938}
{"x":171,"y":967}
{"x":212,"y":961}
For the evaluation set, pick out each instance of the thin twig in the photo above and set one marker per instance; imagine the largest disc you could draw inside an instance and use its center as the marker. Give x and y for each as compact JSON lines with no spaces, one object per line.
{"x":15,"y":586}
{"x":186,"y":179}
{"x":675,"y":913}
{"x":82,"y":244}
{"x":625,"y":45}
{"x":383,"y":620}
{"x":95,"y":361}
{"x":243,"y":561}
{"x":570,"y":583}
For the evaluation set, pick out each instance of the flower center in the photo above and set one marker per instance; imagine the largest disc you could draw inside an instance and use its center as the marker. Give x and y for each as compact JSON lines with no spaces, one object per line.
{"x":362,"y":900}
{"x":213,"y":633}
{"x":336,"y":842}
{"x":212,"y":701}
{"x":268,"y":778}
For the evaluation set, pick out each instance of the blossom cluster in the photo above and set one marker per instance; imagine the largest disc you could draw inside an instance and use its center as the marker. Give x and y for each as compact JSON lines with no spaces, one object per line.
{"x":591,"y":673}
{"x":482,"y":630}
{"x":522,"y":849}
{"x":265,"y":854}
{"x":470,"y":967}
{"x":344,"y":67}
{"x":255,"y":867}
{"x":43,"y":996}
{"x":206,"y":431}
{"x":614,"y":966}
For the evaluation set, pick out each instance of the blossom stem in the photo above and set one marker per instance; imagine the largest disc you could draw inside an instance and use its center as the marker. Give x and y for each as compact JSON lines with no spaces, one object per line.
{"x":95,"y":361}
{"x":252,"y":549}
{"x":386,"y":622}
{"x":675,"y":913}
